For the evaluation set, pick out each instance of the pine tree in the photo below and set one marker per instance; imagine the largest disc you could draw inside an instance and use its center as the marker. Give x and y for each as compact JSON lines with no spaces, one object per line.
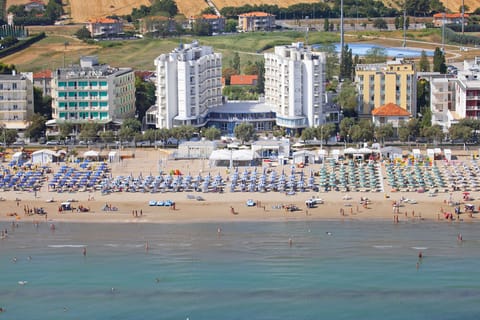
{"x":424,"y":63}
{"x":439,"y":61}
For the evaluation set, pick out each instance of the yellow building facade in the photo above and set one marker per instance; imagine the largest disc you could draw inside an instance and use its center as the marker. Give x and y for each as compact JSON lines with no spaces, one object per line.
{"x":391,"y":82}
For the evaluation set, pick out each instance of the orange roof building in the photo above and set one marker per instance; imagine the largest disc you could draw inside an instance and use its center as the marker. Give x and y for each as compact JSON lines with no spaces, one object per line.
{"x":217,"y":23}
{"x":390,"y":110}
{"x":243,"y":80}
{"x":449,"y":18}
{"x":255,"y":21}
{"x":104,"y":27}
{"x":43,"y":80}
{"x":390,"y":113}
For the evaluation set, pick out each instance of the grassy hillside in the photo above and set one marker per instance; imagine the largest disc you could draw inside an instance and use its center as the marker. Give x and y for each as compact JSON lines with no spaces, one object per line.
{"x":139,"y":54}
{"x":81,"y":10}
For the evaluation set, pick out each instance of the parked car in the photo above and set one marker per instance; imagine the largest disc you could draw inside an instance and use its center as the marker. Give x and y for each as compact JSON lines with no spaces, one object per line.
{"x":251,"y":203}
{"x":52,"y":143}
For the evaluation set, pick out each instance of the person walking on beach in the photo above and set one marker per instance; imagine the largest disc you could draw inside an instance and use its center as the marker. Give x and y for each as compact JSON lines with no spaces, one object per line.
{"x":84,"y":251}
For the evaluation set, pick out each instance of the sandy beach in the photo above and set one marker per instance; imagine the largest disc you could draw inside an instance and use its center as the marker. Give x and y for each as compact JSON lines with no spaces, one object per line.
{"x":134,"y":207}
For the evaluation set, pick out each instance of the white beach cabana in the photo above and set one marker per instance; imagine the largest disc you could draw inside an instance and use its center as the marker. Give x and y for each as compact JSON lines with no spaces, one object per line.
{"x":303,"y":156}
{"x":335,"y":154}
{"x":391,"y":152}
{"x":44,"y":156}
{"x":448,"y":154}
{"x":113,"y":156}
{"x":91,"y":154}
{"x":322,"y":155}
{"x":416,"y":153}
{"x":232,"y":158}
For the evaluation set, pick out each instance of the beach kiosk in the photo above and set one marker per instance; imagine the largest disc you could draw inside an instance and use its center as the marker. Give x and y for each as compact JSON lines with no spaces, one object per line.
{"x":113,"y":156}
{"x":448,"y":154}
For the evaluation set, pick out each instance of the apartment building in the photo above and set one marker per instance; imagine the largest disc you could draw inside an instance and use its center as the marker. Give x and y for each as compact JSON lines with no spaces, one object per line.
{"x":392,"y":82}
{"x":92,"y":92}
{"x":439,"y":19}
{"x":188,"y":86}
{"x":294,"y":86}
{"x":16,"y":100}
{"x":43,"y":80}
{"x":104,"y":27}
{"x":467,"y":90}
{"x":256,"y":21}
{"x":216,"y":23}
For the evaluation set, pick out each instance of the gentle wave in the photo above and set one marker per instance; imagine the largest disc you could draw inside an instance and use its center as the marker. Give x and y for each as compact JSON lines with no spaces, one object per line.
{"x":420,"y":248}
{"x":66,"y":246}
{"x":383,"y":247}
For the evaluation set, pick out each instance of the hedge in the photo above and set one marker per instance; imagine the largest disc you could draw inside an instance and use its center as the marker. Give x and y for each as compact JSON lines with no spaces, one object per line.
{"x":21,"y":45}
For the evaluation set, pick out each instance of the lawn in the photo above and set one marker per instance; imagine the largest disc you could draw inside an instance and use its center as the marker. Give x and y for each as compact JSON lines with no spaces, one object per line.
{"x":139,"y":54}
{"x":52,"y":52}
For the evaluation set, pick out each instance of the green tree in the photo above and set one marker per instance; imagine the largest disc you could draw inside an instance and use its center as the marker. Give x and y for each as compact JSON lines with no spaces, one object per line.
{"x":8,"y":136}
{"x":89,"y":131}
{"x":424,"y":63}
{"x":308,"y":134}
{"x":346,"y":126}
{"x":376,"y":55}
{"x":129,"y":128}
{"x":212,"y":133}
{"x":236,"y":62}
{"x":261,"y":76}
{"x":423,"y":95}
{"x":244,"y":132}
{"x":65,"y":129}
{"x":53,"y":10}
{"x":384,"y":131}
{"x":144,"y":96}
{"x":325,"y":131}
{"x":409,"y":130}
{"x":168,"y":6}
{"x":201,"y":28}
{"x":37,"y":127}
{"x":460,"y":132}
{"x":107,"y":136}
{"x":434,"y":133}
{"x":42,"y":104}
{"x":439,"y":61}
{"x":346,"y":65}
{"x":326,"y":25}
{"x":231,"y":25}
{"x":83,"y":33}
{"x":380,"y":24}
{"x":347,"y":99}
{"x":6,"y":68}
{"x":227,"y":74}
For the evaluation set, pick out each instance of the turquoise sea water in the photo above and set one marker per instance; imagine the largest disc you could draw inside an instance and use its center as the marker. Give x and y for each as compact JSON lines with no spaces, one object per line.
{"x":362,"y":270}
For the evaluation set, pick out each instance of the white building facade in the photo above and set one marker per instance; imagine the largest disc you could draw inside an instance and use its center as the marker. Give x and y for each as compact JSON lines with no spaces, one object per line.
{"x":188,"y":85}
{"x":91,"y":92}
{"x":16,"y":100}
{"x":294,"y":86}
{"x":467,"y":90}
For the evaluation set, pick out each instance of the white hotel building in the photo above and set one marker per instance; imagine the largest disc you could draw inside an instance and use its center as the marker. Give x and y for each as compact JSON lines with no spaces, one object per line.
{"x":294,"y":86}
{"x":188,"y":86}
{"x":16,"y":100}
{"x":91,"y":92}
